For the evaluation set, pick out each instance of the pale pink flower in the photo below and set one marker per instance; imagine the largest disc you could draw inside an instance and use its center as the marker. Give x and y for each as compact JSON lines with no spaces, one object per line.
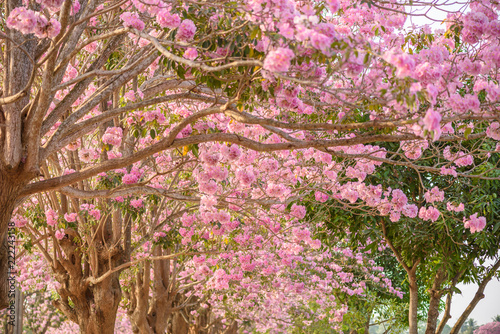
{"x":22,"y":19}
{"x":51,"y":217}
{"x":431,"y":122}
{"x":279,"y":60}
{"x":113,"y":136}
{"x":132,"y":20}
{"x":493,"y":131}
{"x":70,"y":217}
{"x":475,"y":223}
{"x":186,"y":31}
{"x":191,"y":54}
{"x":60,"y":234}
{"x":298,"y":211}
{"x":136,"y":203}
{"x":167,"y":20}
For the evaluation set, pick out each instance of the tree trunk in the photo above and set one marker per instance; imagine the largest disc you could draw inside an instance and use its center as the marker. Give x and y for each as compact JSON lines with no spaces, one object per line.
{"x":9,"y":191}
{"x":94,"y":307}
{"x":436,"y":293}
{"x":179,"y":325}
{"x":101,"y":316}
{"x":412,"y":315}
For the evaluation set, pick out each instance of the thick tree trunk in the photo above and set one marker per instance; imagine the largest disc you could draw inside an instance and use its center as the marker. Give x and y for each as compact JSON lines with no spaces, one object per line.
{"x":101,"y":315}
{"x":9,"y":191}
{"x":412,"y":315}
{"x":179,"y":325}
{"x":436,"y":293}
{"x":93,"y":307}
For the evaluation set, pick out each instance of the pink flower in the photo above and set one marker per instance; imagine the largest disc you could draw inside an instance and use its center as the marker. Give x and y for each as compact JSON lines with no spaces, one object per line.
{"x":45,"y":28}
{"x":245,"y":177}
{"x":19,"y":221}
{"x":60,"y":234}
{"x":209,"y":187}
{"x":136,"y":203}
{"x":275,"y":189}
{"x":410,"y":210}
{"x":75,"y":8}
{"x":51,"y":217}
{"x":279,"y":60}
{"x":320,"y":196}
{"x":96,"y":213}
{"x":130,"y":178}
{"x":489,"y":328}
{"x":232,"y":153}
{"x":52,"y":4}
{"x":186,"y":31}
{"x":430,"y":213}
{"x":493,"y":131}
{"x":132,"y":20}
{"x":191,"y":54}
{"x":399,"y":199}
{"x":167,"y":20}
{"x":70,"y":217}
{"x":431,"y":122}
{"x":22,"y":19}
{"x":334,"y":5}
{"x":456,"y":208}
{"x":434,"y":195}
{"x":475,"y":223}
{"x":298,"y":211}
{"x":113,"y":136}
{"x":87,"y":155}
{"x":405,"y":64}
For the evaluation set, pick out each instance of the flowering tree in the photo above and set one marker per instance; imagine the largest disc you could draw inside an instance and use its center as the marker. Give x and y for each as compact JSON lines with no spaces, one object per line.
{"x":237,"y":105}
{"x":489,"y":328}
{"x":459,"y":252}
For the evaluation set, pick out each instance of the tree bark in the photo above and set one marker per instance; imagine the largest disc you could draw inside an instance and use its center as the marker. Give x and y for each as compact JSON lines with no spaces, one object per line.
{"x":412,"y":314}
{"x":436,"y":293}
{"x":9,"y":191}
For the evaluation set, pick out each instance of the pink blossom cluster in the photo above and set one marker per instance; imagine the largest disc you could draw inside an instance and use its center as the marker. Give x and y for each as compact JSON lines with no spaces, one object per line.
{"x":475,"y":223}
{"x":414,"y":149}
{"x":91,"y":210}
{"x":113,"y":136}
{"x":489,"y":328}
{"x":186,"y":31}
{"x":404,"y":63}
{"x":278,"y":60}
{"x":88,"y":155}
{"x":132,"y":177}
{"x":493,"y":131}
{"x":52,"y":217}
{"x":432,"y":123}
{"x":434,"y":195}
{"x":191,"y":54}
{"x":167,"y":20}
{"x":430,"y":213}
{"x":460,"y":105}
{"x":51,"y":4}
{"x":28,"y":21}
{"x":132,"y":20}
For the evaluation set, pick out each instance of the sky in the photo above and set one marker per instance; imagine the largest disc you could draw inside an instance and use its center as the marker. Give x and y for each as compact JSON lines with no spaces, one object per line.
{"x":486,"y":309}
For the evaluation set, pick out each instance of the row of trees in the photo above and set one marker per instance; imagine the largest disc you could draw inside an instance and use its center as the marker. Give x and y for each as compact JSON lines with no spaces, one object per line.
{"x":257,"y":165}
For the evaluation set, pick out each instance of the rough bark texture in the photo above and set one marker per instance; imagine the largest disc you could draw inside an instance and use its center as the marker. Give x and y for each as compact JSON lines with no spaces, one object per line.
{"x":94,"y":306}
{"x":412,"y":316}
{"x":10,"y":186}
{"x":436,"y":294}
